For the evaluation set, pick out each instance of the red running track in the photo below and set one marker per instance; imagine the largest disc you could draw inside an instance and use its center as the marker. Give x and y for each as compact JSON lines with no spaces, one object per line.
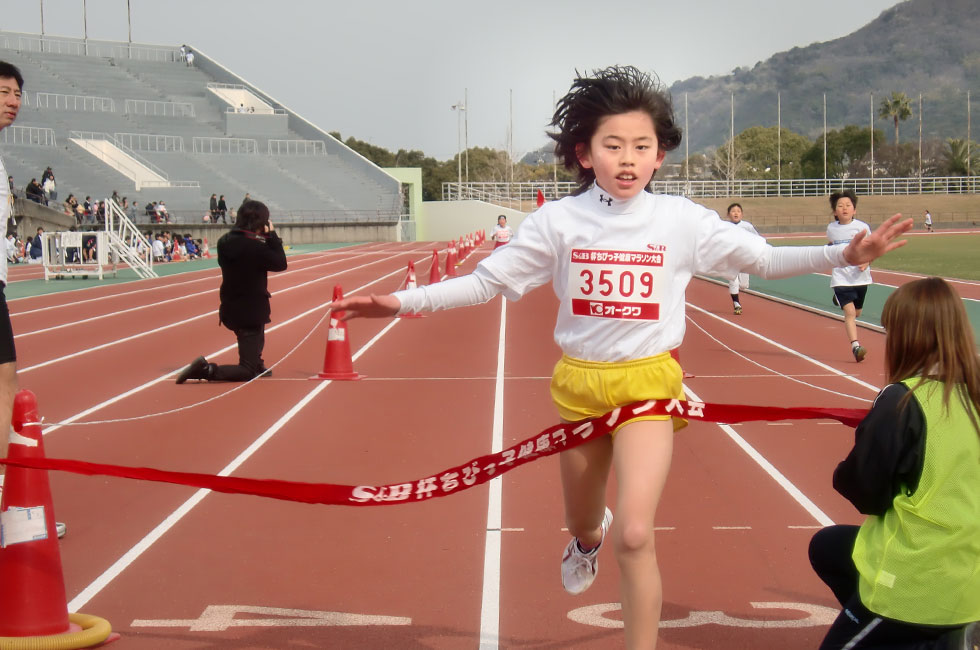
{"x":171,"y":566}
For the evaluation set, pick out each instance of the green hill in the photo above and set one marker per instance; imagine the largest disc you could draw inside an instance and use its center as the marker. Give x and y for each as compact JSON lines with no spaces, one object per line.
{"x":930,"y":47}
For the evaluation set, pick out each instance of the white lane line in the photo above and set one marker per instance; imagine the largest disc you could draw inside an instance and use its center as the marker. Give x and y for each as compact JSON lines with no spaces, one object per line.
{"x":770,"y":469}
{"x":171,"y":520}
{"x":782,"y":347}
{"x":490,"y":607}
{"x":169,"y":375}
{"x":731,"y":527}
{"x":185,"y":321}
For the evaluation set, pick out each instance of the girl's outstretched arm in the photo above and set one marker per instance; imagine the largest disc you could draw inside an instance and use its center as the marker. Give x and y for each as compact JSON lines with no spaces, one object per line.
{"x":865,"y":248}
{"x":373,"y":306}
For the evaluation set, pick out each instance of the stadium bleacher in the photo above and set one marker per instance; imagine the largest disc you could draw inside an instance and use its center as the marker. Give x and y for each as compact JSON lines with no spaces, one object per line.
{"x":73,"y":83}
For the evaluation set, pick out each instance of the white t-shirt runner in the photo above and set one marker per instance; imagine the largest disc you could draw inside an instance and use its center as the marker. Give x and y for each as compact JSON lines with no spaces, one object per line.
{"x":502,"y":234}
{"x":848,"y":276}
{"x":619,"y":268}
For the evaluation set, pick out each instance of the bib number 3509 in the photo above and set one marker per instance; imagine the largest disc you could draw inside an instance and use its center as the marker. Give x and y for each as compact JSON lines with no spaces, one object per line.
{"x":616,"y":284}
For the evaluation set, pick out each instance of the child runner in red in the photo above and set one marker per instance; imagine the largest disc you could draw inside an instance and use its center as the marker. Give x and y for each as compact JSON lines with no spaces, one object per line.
{"x":619,"y":259}
{"x":501,"y":232}
{"x":909,"y":576}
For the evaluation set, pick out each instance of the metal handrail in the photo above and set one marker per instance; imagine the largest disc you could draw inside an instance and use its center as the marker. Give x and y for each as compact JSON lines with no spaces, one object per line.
{"x":98,"y":104}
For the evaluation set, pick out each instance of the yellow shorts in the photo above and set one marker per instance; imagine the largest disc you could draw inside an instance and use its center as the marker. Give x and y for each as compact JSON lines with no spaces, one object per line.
{"x":586,"y":389}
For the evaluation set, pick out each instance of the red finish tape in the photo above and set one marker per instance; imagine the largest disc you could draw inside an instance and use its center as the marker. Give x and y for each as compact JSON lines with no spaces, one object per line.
{"x":461,"y":477}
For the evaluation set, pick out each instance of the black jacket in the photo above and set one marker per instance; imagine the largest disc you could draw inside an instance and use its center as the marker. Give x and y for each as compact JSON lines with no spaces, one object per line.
{"x":245,"y":260}
{"x":888,"y":453}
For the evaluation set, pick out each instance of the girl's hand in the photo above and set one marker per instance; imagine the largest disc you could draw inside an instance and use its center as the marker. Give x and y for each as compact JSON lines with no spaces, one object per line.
{"x":865,"y":248}
{"x":372,"y":306}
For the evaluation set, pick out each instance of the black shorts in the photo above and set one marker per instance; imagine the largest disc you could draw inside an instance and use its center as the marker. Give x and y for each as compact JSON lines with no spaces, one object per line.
{"x":846,"y":295}
{"x":7,"y":352}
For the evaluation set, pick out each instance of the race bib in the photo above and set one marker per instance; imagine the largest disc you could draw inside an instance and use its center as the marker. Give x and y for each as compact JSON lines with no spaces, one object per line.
{"x":616,"y":284}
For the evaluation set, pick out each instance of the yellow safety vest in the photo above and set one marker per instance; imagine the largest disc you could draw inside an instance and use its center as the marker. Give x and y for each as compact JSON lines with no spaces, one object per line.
{"x":920,"y":561}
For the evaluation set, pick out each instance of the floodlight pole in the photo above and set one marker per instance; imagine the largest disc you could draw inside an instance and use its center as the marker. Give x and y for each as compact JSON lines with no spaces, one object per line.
{"x":872,"y":113}
{"x":687,"y":146}
{"x":85,"y":24}
{"x":825,"y":140}
{"x":466,"y":130}
{"x":42,"y":21}
{"x":779,"y":142}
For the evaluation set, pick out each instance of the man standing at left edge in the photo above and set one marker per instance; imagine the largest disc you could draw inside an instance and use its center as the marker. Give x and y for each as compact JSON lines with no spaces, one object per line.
{"x":11,"y":86}
{"x":11,"y":83}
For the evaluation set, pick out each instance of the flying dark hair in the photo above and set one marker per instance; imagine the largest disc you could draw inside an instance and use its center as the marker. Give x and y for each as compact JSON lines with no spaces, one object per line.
{"x":612,"y":91}
{"x":10,"y":71}
{"x":848,"y":194}
{"x":252,"y":216}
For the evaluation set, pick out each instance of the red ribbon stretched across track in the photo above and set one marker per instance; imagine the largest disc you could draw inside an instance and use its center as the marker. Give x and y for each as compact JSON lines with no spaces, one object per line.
{"x":455,"y":479}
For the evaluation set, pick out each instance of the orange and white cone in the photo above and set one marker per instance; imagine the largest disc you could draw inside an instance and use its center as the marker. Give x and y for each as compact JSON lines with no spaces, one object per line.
{"x":451,"y":261}
{"x":337,"y":361}
{"x":410,"y":283}
{"x":33,"y":607}
{"x":205,"y":249}
{"x":434,"y":275}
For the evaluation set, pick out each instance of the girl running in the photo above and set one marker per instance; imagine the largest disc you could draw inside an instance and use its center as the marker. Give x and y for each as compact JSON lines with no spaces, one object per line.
{"x":619,"y":259}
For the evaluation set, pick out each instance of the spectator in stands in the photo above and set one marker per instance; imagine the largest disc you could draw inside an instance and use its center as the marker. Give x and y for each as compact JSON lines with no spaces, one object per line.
{"x":213,"y":208}
{"x":222,"y":209}
{"x":10,"y":184}
{"x":159,"y":252}
{"x":162,"y":214}
{"x":48,"y":186}
{"x":71,"y":205}
{"x":36,"y":247}
{"x":246,"y":255}
{"x":88,"y":208}
{"x":35,"y":192}
{"x":189,"y":57}
{"x":115,"y":197}
{"x":192,"y":251}
{"x":129,"y":209}
{"x":12,"y":249}
{"x":100,"y":212}
{"x":89,"y":251}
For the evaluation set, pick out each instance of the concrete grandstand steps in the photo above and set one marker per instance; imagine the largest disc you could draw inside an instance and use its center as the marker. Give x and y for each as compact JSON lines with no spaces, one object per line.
{"x":317,"y":187}
{"x":213,"y":181}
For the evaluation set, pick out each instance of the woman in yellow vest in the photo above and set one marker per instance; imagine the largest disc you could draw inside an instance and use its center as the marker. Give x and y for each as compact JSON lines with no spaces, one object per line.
{"x":909,"y":576}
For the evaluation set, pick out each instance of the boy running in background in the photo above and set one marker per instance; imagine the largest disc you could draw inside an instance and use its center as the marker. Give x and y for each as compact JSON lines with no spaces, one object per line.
{"x":850,"y":283}
{"x":740,"y":279}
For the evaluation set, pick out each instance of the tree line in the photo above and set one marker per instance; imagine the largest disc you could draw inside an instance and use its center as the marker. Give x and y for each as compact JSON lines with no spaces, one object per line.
{"x":757,"y":152}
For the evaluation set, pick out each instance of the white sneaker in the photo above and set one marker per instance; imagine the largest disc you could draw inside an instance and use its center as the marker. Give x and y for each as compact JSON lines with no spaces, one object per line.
{"x":60,"y":529}
{"x":579,"y":569}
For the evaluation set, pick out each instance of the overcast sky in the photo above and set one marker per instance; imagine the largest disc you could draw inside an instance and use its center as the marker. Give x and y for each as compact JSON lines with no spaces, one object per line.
{"x":389,"y":71}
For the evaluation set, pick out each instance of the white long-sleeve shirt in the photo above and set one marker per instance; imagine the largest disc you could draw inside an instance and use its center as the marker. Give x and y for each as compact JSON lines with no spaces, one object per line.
{"x":619,"y":268}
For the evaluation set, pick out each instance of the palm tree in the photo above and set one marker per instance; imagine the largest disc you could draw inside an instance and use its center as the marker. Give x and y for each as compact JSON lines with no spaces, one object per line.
{"x":897,"y":107}
{"x":955,"y":157}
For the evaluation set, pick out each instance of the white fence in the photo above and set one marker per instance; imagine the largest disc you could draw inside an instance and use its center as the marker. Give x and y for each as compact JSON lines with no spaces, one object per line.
{"x":151,"y":142}
{"x":82,"y":47}
{"x":527,"y":192}
{"x":297,"y":148}
{"x":203,"y":144}
{"x":158,"y":108}
{"x":37,"y":136}
{"x":61,"y":102}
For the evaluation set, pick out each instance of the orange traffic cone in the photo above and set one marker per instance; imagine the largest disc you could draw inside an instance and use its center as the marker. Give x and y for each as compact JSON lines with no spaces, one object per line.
{"x":337,"y":362}
{"x":32,"y":600}
{"x":451,"y":262}
{"x":205,"y":249}
{"x":410,"y":283}
{"x":434,"y":268}
{"x":540,"y":198}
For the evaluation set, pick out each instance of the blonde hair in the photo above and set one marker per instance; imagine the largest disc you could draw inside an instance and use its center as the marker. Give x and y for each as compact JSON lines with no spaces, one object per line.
{"x":929,"y":336}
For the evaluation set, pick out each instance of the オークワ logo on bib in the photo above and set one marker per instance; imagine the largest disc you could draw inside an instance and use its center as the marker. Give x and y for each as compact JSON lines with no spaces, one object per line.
{"x":616,"y":284}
